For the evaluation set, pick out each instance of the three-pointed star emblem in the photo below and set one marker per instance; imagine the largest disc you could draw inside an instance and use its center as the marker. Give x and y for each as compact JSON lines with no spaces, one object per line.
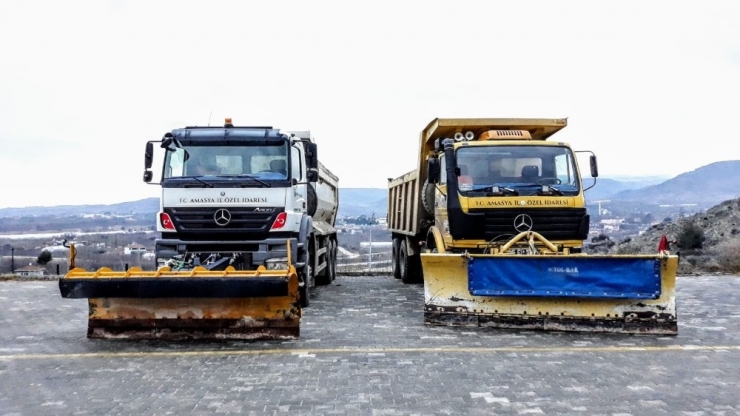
{"x":222,"y":217}
{"x":523,"y":222}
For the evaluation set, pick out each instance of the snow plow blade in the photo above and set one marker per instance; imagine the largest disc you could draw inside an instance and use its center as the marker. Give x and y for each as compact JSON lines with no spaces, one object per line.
{"x":193,"y":304}
{"x":574,"y":292}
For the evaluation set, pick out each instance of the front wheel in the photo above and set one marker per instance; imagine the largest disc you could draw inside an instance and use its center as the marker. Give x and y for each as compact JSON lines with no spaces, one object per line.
{"x":303,"y":289}
{"x":331,"y":262}
{"x":306,"y":274}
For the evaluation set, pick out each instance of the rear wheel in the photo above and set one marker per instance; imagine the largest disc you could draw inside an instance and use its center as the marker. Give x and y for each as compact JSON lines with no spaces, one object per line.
{"x":331,"y":261}
{"x":395,"y":267}
{"x":325,"y":276}
{"x":409,"y":265}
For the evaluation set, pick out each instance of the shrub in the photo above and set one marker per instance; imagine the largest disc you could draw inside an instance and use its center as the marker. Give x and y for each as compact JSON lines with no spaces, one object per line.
{"x":691,"y":236}
{"x":728,"y":255}
{"x":44,"y":258}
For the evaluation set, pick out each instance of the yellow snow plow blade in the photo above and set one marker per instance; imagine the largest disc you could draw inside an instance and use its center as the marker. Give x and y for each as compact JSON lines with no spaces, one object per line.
{"x":572,"y":292}
{"x":193,"y":304}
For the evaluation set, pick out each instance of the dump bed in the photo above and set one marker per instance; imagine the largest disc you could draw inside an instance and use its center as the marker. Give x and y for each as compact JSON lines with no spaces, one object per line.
{"x":327,"y":193}
{"x":405,"y":210}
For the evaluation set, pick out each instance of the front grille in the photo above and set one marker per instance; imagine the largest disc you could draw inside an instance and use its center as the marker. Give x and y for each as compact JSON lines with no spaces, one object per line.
{"x":553,"y":224}
{"x":251,"y":221}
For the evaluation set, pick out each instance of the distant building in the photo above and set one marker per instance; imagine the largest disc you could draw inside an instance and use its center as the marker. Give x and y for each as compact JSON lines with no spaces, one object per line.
{"x":30,"y":271}
{"x":376,"y":244}
{"x":134,"y":249}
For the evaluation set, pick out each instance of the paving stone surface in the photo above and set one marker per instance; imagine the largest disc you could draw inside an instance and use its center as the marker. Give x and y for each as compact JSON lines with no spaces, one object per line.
{"x":365,"y":351}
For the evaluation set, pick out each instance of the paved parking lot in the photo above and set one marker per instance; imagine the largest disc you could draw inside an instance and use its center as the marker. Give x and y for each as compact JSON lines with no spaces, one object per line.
{"x":364,"y":351}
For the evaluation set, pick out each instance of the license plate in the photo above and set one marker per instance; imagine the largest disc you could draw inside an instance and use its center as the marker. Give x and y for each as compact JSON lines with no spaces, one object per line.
{"x":519,"y":251}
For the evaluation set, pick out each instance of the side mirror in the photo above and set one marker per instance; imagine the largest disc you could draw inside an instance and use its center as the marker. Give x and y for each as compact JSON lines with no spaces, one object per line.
{"x":148,"y":155}
{"x":147,"y":176}
{"x":313,"y":175}
{"x":312,"y":158}
{"x":594,"y":167}
{"x":433,"y":170}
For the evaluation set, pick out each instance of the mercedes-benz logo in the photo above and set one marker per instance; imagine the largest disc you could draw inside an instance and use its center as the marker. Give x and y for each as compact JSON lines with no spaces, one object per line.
{"x":523,"y":222}
{"x":222,"y":217}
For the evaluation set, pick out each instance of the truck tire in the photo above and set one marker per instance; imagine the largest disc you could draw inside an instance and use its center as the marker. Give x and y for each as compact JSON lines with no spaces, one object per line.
{"x":303,"y":290}
{"x":325,"y":276}
{"x":332,"y":259}
{"x":312,"y":200}
{"x":306,"y":272}
{"x":396,"y":246}
{"x":409,"y":265}
{"x":427,"y":197}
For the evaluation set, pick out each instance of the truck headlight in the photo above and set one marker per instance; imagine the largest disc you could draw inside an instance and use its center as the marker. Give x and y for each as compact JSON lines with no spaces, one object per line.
{"x":278,"y":263}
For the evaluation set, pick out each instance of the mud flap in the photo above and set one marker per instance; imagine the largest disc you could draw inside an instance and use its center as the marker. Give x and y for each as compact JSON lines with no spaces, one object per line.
{"x":195,"y":304}
{"x":620,"y":293}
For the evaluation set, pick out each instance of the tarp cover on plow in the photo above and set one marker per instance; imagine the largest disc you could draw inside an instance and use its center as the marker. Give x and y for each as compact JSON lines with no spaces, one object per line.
{"x":601,"y":278}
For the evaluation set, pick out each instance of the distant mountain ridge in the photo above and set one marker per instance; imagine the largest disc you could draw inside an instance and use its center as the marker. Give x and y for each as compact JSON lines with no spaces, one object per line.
{"x":606,"y":188}
{"x":121,"y":208}
{"x":706,"y":186}
{"x":352,"y":202}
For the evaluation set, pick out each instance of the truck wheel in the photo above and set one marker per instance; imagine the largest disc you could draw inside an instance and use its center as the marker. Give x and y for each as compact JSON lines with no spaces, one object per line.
{"x":307,"y":272}
{"x":408,"y":265}
{"x":419,"y":278}
{"x":327,"y":273}
{"x":332,"y":259}
{"x":394,"y":258}
{"x":303,"y":290}
{"x":427,"y":197}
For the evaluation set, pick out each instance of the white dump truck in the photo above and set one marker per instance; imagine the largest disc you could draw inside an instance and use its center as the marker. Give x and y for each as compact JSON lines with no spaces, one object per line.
{"x":247,"y":224}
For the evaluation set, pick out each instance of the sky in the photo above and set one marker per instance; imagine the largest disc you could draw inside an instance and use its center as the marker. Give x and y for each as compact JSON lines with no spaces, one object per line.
{"x":653,"y":88}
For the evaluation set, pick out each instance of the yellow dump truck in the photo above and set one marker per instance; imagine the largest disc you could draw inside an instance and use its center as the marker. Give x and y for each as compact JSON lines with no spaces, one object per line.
{"x":246,"y":225}
{"x":493,"y":221}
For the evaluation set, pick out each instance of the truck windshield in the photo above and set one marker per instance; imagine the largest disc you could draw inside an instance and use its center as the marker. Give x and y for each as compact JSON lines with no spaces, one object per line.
{"x":263,"y":161}
{"x":517,"y":167}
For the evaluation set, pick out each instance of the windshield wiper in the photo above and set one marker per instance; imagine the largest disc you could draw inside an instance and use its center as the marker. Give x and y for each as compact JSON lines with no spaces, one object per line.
{"x":210,"y":185}
{"x":502,"y":190}
{"x":553,"y":190}
{"x":492,"y":191}
{"x":252,"y":177}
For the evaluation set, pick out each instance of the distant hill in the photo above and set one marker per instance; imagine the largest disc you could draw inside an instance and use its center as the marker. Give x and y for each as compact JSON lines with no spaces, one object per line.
{"x":141,"y":206}
{"x":720,"y":246}
{"x":706,"y":186}
{"x":354,"y":202}
{"x":605,"y":188}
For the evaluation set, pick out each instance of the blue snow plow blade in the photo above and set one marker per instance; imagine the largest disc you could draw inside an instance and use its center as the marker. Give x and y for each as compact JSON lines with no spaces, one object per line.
{"x":541,"y":276}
